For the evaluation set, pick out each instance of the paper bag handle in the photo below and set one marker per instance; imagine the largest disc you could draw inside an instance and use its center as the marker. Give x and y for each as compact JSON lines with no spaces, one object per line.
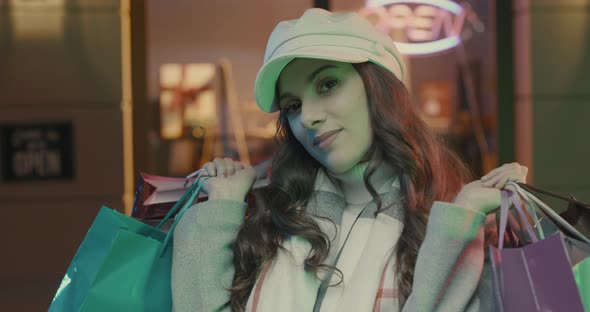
{"x":550,"y":212}
{"x":507,"y":197}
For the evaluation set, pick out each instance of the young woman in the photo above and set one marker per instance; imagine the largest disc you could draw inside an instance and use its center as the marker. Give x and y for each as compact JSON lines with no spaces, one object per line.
{"x":366,"y":210}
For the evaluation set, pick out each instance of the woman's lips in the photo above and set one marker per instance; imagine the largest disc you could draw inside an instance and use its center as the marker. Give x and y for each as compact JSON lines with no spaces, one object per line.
{"x":327,"y":139}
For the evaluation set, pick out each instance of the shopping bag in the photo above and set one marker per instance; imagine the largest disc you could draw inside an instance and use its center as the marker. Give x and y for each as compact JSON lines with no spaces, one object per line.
{"x":550,"y":221}
{"x":582,"y":276}
{"x":122,"y":265}
{"x":577,"y":244}
{"x":577,"y":213}
{"x":536,"y":277}
{"x":580,"y":253}
{"x":156,"y":195}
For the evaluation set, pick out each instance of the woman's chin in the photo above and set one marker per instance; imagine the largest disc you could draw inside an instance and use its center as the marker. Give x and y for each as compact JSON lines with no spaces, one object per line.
{"x":339,"y":167}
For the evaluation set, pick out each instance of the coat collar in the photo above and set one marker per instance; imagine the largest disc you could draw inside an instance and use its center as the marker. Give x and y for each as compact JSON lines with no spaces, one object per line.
{"x":328,"y":201}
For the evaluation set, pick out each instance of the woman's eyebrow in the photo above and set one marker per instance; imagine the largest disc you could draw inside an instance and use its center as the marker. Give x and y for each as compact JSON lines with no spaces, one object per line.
{"x":312,"y":76}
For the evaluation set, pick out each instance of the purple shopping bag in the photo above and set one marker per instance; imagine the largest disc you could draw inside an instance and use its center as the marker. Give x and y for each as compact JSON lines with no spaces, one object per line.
{"x":536,"y":277}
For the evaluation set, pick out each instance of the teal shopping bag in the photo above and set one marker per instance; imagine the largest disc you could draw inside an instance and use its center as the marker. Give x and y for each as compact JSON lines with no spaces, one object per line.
{"x":582,"y":276}
{"x":122,"y":265}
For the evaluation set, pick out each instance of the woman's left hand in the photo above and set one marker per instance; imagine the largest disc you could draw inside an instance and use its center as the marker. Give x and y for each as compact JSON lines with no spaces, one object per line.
{"x":484,"y":195}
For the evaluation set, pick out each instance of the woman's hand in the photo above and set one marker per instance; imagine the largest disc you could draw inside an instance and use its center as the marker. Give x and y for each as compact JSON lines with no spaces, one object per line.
{"x":230,"y":180}
{"x":508,"y":172}
{"x":484,"y":195}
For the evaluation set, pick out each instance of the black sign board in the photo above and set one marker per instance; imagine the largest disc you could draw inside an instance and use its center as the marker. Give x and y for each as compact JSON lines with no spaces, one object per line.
{"x":36,"y":152}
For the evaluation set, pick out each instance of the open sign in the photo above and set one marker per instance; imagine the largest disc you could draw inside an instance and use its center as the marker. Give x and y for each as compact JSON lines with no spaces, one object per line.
{"x":36,"y":152}
{"x":429,"y":26}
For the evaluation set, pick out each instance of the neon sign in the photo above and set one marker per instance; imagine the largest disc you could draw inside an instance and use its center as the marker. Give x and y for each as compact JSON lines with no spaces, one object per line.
{"x":429,"y":26}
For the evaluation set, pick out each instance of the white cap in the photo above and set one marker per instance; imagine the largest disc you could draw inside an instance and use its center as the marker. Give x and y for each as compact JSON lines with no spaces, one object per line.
{"x":320,"y":34}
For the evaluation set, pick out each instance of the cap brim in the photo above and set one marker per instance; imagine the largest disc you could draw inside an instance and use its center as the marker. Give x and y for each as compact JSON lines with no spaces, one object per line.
{"x":264,"y":87}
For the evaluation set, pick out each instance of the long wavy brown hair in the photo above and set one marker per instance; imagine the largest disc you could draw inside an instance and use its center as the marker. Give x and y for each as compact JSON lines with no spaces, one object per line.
{"x":428,"y":172}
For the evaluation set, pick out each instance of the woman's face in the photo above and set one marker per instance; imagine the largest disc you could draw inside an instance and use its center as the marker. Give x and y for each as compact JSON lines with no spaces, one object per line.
{"x":326,"y":107}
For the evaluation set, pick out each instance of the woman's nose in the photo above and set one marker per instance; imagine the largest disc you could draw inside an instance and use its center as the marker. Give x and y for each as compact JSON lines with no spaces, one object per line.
{"x":312,"y":116}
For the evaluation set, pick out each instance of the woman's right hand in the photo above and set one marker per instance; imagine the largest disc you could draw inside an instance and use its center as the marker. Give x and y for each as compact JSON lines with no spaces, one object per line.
{"x":229,"y":179}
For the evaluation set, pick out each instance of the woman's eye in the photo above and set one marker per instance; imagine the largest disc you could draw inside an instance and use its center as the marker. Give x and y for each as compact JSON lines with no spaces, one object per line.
{"x":327,"y":85}
{"x":292,"y":107}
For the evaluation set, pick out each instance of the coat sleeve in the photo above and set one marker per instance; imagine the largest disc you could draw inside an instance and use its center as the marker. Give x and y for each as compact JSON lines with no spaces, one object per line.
{"x":452,"y":272}
{"x":202,"y":257}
